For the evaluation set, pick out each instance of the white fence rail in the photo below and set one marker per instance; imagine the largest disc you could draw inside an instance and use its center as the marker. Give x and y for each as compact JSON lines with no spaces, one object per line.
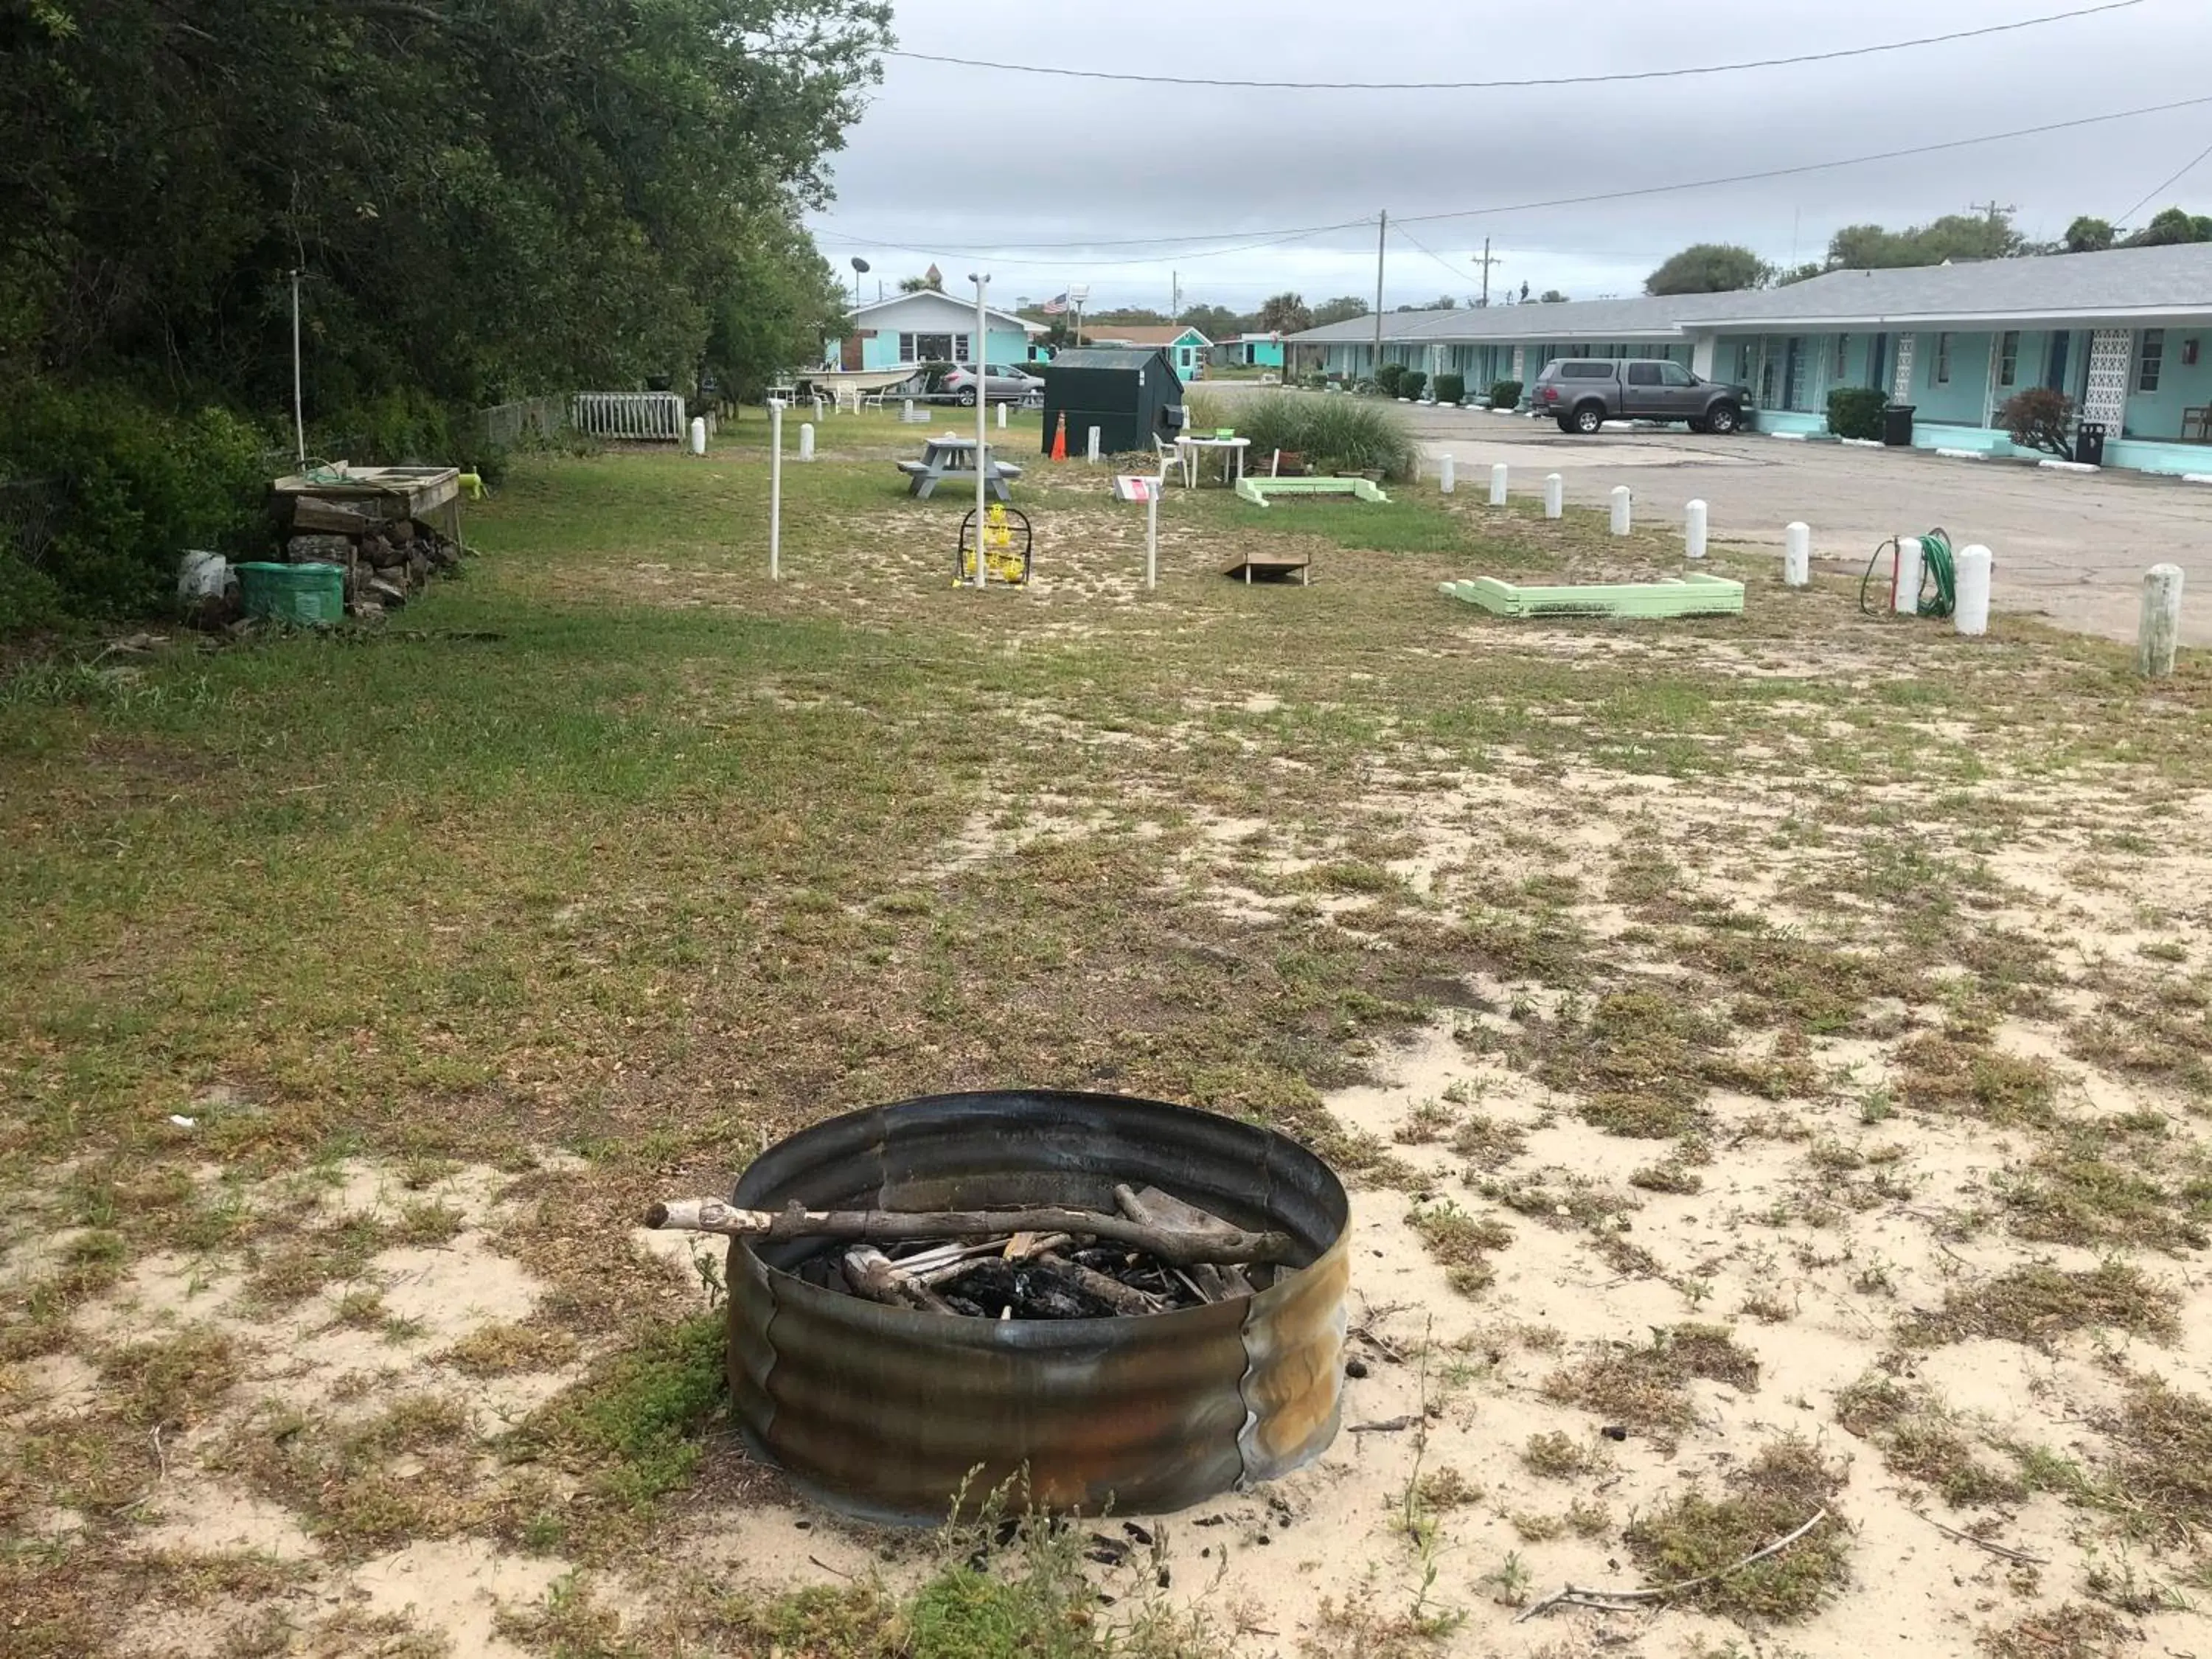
{"x":505,"y":425}
{"x":646,"y":416}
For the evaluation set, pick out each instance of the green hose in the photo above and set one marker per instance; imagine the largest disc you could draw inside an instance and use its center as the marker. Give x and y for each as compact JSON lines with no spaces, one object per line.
{"x":1937,"y":568}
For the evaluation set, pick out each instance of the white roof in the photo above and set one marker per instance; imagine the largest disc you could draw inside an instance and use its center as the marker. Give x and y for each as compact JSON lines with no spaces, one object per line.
{"x":931,"y":293}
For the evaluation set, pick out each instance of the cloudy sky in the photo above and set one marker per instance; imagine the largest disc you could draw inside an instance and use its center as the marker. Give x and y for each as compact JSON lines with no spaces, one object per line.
{"x":1121,"y":186}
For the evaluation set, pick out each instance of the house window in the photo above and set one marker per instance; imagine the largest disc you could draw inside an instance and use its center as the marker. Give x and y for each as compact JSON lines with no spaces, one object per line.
{"x":1943,"y":374}
{"x":933,"y":347}
{"x":1842,"y":358}
{"x":2151,"y":360}
{"x":2008,"y":359}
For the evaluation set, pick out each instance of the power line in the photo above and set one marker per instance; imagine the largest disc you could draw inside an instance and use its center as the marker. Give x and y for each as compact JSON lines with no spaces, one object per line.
{"x":1422,"y":247}
{"x":2156,"y":190}
{"x":1015,"y":252}
{"x":1289,"y":233}
{"x":1532,"y":81}
{"x":1813,"y":166}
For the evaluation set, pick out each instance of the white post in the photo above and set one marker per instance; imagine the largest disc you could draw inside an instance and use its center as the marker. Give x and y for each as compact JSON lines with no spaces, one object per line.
{"x":1623,"y":512}
{"x":1555,"y":495}
{"x":806,"y":440}
{"x":776,"y":489}
{"x":2161,"y":620}
{"x":1091,"y":449}
{"x":980,"y":351}
{"x":1796,"y":554}
{"x":1973,"y":615}
{"x":1497,"y":477}
{"x":698,"y":435}
{"x":1152,"y":541}
{"x":1002,"y":418}
{"x":1446,"y":479}
{"x":906,"y":411}
{"x":1905,"y":599}
{"x":1693,"y":530}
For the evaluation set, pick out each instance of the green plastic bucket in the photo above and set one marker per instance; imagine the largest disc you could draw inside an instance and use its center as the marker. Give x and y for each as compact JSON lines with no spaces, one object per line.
{"x":293,"y":592}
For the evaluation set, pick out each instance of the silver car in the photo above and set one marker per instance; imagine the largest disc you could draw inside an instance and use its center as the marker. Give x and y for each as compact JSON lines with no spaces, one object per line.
{"x":1002,"y":383}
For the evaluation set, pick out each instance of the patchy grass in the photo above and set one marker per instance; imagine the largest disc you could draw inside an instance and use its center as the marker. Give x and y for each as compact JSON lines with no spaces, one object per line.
{"x":2071,"y":1631}
{"x":1920,"y":1441}
{"x":1646,"y":1388}
{"x":1462,"y":1242}
{"x":2165,"y":1438}
{"x":1960,"y":1071}
{"x":1784,"y":1486}
{"x":1559,"y":1456}
{"x":2036,"y":1304}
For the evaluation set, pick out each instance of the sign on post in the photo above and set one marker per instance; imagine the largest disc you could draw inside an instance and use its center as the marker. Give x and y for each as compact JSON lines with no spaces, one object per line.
{"x":1135,"y":487}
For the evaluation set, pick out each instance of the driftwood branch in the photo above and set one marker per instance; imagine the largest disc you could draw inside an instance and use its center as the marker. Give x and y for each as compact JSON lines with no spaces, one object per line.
{"x":1176,"y":1245}
{"x":1612,"y":1600}
{"x":1999,"y":1550}
{"x":876,"y":1277}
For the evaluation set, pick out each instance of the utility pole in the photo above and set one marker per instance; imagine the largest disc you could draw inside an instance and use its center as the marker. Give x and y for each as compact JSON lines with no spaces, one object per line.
{"x":1382,"y":231}
{"x":1485,"y":262}
{"x":1175,"y":296}
{"x":1992,"y":207}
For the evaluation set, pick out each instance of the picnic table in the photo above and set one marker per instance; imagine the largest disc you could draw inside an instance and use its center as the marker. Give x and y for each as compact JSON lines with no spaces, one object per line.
{"x":1232,"y":457}
{"x":947,"y":457}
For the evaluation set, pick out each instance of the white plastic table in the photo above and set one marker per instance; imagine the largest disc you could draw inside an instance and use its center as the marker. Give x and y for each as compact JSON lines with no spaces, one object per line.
{"x":1232,"y":457}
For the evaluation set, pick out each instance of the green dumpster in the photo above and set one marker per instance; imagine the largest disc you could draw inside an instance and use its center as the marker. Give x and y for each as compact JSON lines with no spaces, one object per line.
{"x":311,"y":594}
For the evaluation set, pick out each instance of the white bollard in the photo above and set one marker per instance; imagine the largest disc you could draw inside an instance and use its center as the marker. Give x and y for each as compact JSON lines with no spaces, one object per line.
{"x":1972,"y":614}
{"x":1796,"y":554}
{"x":806,"y":440}
{"x":1002,"y":418}
{"x":1693,"y":530}
{"x":2161,"y":620}
{"x":1152,"y":541}
{"x":1498,"y":475}
{"x":1091,"y":449}
{"x":698,"y":435}
{"x":906,"y":412}
{"x":1905,"y":598}
{"x":1446,"y":478}
{"x":776,"y":489}
{"x":1555,"y":495}
{"x":1623,"y":509}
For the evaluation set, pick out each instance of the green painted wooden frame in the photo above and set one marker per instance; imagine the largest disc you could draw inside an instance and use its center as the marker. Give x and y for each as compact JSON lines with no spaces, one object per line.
{"x":1692,"y":595}
{"x":1256,"y":490}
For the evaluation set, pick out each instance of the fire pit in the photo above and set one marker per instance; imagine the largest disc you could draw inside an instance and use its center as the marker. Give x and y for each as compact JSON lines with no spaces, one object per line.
{"x":1200,"y":1377}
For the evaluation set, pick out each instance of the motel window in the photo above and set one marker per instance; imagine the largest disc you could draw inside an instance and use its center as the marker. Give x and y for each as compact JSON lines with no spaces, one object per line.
{"x":2008,"y":359}
{"x":2151,"y":360}
{"x":1842,"y":358}
{"x":1943,"y":374}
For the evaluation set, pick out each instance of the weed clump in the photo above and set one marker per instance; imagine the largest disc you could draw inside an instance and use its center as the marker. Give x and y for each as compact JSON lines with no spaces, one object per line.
{"x":2035,"y":1304}
{"x":1785,"y":1486}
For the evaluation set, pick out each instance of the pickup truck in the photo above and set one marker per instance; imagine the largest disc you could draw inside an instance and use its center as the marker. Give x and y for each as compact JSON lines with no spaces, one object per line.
{"x":1584,"y":394}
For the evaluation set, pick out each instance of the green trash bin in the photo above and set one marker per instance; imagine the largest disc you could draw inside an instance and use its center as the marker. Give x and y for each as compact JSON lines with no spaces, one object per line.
{"x":310,"y":593}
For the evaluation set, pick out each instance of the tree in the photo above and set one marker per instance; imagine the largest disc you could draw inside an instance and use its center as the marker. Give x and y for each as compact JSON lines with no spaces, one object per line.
{"x":2088,"y":235}
{"x":1551,"y":296}
{"x":1954,"y":236}
{"x":1285,"y":313}
{"x":2037,"y":418}
{"x":930,"y":282}
{"x":1341,"y":310}
{"x":1217,"y":323}
{"x":1128,"y":316}
{"x":2175,"y":225}
{"x":1708,"y":268}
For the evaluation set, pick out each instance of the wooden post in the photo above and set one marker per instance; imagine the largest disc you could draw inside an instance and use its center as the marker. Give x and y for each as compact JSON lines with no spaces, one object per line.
{"x":1498,"y":474}
{"x":1973,"y":614}
{"x":1693,"y":530}
{"x":1555,"y":496}
{"x":806,"y":440}
{"x":1796,"y":554}
{"x":1152,"y":541}
{"x":906,"y":411}
{"x":1623,"y":509}
{"x":1002,"y":418}
{"x":776,"y":489}
{"x":1446,"y":478}
{"x":1091,"y":451}
{"x":1905,"y":598}
{"x":2161,"y":620}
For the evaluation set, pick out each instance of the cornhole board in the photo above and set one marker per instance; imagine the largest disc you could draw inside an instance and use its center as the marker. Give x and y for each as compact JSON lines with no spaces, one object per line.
{"x":1692,"y":595}
{"x":1268,"y":567}
{"x":1256,"y":490}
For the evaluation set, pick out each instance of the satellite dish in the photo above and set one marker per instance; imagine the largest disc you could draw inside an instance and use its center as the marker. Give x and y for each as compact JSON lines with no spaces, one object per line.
{"x":859,"y":263}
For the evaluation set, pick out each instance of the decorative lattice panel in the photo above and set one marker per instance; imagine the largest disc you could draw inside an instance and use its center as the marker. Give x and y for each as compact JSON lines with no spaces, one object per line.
{"x":1901,"y":382}
{"x":2111,"y":350}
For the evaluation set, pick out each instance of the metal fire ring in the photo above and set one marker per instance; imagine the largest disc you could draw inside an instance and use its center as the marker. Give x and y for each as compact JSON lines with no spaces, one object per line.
{"x":888,"y":1413}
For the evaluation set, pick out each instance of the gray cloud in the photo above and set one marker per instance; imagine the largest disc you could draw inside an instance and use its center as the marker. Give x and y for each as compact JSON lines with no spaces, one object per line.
{"x":1093,"y":162}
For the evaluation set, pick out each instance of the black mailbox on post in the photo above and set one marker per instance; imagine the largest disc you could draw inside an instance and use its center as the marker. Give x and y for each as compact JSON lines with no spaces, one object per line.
{"x":1130,"y":395}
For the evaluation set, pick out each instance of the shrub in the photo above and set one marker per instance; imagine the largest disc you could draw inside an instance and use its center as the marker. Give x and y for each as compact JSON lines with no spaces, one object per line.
{"x":1388,"y":377}
{"x":2037,"y":419}
{"x":1450,"y":388}
{"x":1410,"y":382}
{"x":1335,"y":434}
{"x":1855,"y":411}
{"x":130,"y":487}
{"x":1505,"y":394}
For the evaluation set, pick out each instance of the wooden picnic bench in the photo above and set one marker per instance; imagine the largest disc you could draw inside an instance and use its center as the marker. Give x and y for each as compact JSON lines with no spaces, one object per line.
{"x":954,"y":459}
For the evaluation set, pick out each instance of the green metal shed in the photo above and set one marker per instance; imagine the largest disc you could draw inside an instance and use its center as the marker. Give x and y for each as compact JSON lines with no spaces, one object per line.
{"x":1131,"y":394}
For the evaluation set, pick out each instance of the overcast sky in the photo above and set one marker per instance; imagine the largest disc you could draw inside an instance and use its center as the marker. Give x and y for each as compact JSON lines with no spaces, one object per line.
{"x":1100,"y":165}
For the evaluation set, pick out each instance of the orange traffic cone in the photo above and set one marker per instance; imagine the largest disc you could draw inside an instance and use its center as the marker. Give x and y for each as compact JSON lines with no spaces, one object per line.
{"x":1059,"y":438}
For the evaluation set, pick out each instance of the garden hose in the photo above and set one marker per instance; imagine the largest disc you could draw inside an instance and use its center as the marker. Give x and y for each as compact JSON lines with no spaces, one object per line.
{"x":1937,"y":568}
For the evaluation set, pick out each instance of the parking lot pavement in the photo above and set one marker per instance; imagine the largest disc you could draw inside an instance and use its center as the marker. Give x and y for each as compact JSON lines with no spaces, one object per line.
{"x":2071,"y":546}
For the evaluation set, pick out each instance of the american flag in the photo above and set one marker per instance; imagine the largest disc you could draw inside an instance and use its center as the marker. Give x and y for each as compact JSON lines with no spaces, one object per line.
{"x":1056,"y":307}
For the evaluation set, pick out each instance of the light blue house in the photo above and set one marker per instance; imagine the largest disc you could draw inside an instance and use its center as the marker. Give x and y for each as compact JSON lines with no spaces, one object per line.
{"x":2121,"y":333}
{"x":929,"y":327}
{"x":1187,"y":349}
{"x":1250,"y":351}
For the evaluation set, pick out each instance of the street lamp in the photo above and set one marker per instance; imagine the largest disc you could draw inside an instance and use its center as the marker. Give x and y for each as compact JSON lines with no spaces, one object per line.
{"x":859,"y":268}
{"x":1078,"y":293}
